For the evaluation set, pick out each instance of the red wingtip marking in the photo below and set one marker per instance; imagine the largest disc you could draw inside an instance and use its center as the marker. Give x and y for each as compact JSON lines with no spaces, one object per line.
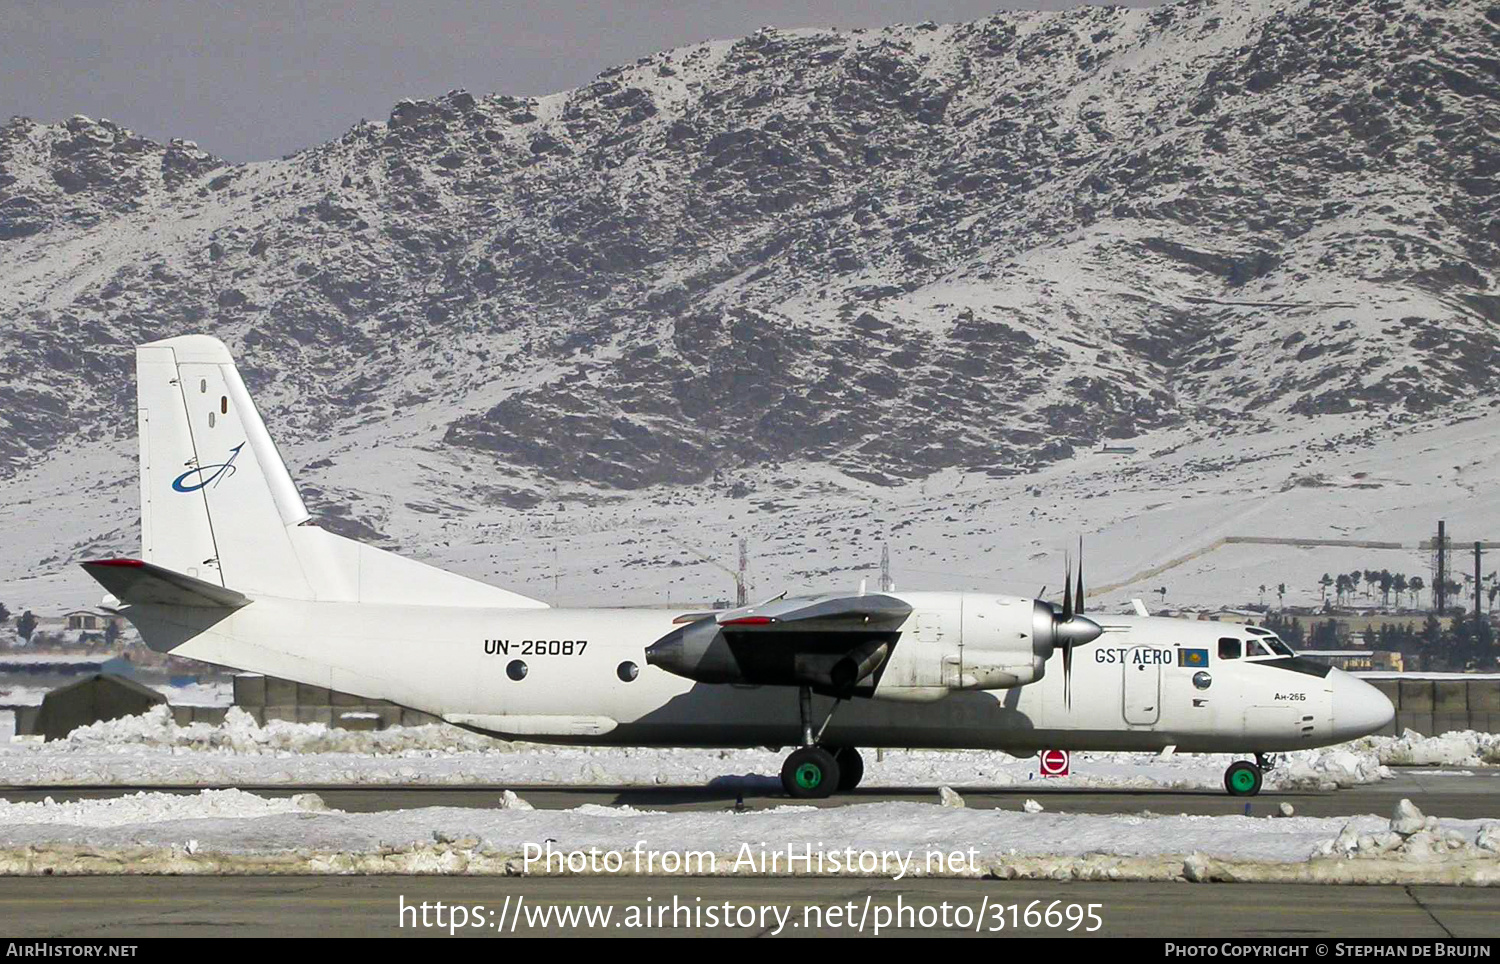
{"x":123,"y":563}
{"x":749,"y":621}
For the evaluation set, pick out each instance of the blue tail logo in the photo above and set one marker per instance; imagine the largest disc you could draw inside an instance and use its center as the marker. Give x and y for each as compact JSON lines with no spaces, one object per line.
{"x":205,"y":475}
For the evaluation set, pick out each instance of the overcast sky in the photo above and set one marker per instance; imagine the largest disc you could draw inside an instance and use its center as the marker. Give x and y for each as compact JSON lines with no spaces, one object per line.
{"x":253,"y":79}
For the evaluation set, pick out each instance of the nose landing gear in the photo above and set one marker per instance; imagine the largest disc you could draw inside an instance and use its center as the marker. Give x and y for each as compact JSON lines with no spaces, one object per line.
{"x":1243,"y":779}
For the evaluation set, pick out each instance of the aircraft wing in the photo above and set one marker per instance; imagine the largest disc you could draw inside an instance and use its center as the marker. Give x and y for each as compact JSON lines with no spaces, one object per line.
{"x":837,"y":645}
{"x":140,"y":583}
{"x":862,"y":610}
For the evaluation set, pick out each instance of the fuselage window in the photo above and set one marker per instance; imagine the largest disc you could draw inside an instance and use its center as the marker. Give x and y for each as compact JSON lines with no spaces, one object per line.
{"x":1229,"y":648}
{"x":627,"y":671}
{"x":516,"y":670}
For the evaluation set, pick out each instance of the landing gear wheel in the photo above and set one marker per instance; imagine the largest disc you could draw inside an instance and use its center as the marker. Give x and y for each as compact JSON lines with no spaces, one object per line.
{"x":851,"y":767}
{"x":810,"y":773}
{"x":1243,"y":779}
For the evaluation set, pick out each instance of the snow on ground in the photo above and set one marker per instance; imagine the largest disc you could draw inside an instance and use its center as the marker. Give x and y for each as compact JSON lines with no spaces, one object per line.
{"x":230,"y":831}
{"x":152,"y":750}
{"x":1464,"y":748}
{"x":142,"y":808}
{"x":812,"y":529}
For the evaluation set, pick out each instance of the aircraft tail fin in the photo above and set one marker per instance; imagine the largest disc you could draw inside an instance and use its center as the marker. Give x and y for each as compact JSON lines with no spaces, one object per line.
{"x":218,"y":505}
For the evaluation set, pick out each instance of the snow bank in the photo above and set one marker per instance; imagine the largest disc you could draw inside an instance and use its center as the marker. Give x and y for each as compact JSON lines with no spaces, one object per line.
{"x":231,"y":832}
{"x":138,"y":808}
{"x":1412,"y":836}
{"x":1454,"y":748}
{"x":153,"y":750}
{"x":239,"y":733}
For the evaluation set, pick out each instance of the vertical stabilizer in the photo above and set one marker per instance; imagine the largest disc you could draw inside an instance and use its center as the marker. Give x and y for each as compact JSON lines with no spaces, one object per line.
{"x":217,"y":503}
{"x":216,"y":498}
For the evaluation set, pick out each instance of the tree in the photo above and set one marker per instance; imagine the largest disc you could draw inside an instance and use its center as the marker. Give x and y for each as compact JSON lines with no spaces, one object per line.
{"x":1399,"y":583}
{"x":1280,"y":591}
{"x":1415,"y":584}
{"x":1324,"y":583}
{"x":26,"y":625}
{"x":4,"y":614}
{"x":1354,"y":582}
{"x":1262,"y":594}
{"x":1290,"y":630}
{"x":1432,"y":638}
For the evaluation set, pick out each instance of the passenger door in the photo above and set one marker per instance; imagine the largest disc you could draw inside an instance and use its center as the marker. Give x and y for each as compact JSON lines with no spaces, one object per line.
{"x":1142,"y":696}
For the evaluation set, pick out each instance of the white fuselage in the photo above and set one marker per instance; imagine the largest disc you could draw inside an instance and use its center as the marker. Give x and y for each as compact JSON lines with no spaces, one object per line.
{"x":1131,"y":689}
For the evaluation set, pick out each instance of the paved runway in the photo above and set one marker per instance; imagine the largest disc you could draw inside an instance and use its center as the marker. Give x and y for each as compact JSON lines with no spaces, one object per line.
{"x":97,"y":907}
{"x":1447,"y":793}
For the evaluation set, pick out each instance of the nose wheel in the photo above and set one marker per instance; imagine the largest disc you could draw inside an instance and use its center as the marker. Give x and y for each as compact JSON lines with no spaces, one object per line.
{"x":1243,"y":779}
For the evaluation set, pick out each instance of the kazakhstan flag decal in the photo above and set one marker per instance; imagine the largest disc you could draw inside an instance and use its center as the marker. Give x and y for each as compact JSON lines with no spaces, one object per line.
{"x":1192,"y":657}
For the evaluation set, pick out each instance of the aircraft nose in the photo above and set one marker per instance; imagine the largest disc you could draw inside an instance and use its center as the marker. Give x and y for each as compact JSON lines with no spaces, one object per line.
{"x":1359,"y":709}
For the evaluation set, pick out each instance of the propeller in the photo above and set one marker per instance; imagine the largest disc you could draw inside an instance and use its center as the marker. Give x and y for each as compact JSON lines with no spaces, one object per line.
{"x":1070,"y":627}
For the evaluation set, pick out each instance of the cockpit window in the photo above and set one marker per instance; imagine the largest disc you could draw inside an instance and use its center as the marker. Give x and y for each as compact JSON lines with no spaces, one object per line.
{"x":1257,"y":631}
{"x":1282,"y":649}
{"x":1254,"y":647}
{"x":1229,"y":648}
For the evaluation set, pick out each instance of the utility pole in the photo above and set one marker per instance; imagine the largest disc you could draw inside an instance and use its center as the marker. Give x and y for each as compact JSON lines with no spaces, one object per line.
{"x":1478,"y":612}
{"x":885,"y":567}
{"x":740,"y":598}
{"x":555,"y":520}
{"x":1440,"y":577}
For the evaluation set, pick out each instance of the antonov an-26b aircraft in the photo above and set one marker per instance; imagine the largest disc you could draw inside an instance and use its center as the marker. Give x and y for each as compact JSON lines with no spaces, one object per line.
{"x":233,"y":571}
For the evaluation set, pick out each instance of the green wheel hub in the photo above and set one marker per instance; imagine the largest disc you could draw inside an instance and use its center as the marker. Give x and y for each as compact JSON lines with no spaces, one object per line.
{"x":1243,"y":780}
{"x":809,"y":776}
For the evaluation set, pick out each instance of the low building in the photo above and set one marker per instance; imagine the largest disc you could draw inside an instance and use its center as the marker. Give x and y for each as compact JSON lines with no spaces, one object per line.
{"x":92,"y":622}
{"x":1356,"y":660}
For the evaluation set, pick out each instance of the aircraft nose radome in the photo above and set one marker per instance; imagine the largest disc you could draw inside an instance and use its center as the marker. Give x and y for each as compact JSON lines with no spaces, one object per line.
{"x":1359,"y":709}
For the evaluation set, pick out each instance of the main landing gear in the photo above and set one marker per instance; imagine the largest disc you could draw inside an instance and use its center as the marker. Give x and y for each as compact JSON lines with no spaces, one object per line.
{"x":814,"y":771}
{"x":1244,"y":779}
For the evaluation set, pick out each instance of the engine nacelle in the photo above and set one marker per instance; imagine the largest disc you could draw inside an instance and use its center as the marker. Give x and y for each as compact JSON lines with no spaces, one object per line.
{"x":967,"y":641}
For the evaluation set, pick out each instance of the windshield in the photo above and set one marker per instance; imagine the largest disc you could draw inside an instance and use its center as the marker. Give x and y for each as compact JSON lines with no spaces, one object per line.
{"x":1280,"y":647}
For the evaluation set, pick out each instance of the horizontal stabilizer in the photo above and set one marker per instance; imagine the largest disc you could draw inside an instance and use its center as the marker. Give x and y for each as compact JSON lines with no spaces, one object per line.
{"x":138,"y":583}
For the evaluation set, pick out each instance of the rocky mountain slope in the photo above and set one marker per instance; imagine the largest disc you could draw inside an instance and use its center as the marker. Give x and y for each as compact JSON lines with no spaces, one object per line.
{"x":802,"y":262}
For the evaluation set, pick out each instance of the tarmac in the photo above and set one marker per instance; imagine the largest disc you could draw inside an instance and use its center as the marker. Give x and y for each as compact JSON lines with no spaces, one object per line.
{"x":1453,"y":793}
{"x":115,"y":907}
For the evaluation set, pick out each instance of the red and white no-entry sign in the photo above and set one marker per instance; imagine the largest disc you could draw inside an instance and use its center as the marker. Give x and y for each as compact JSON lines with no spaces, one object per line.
{"x":1055,"y":763}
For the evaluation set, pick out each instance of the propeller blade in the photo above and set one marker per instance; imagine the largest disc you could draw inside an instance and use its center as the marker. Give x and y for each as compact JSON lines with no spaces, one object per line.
{"x":1067,"y":612}
{"x":1068,"y":674}
{"x":1078,"y":607}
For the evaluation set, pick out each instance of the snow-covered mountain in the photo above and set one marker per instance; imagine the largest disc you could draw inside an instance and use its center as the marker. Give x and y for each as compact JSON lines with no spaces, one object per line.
{"x":807,"y":274}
